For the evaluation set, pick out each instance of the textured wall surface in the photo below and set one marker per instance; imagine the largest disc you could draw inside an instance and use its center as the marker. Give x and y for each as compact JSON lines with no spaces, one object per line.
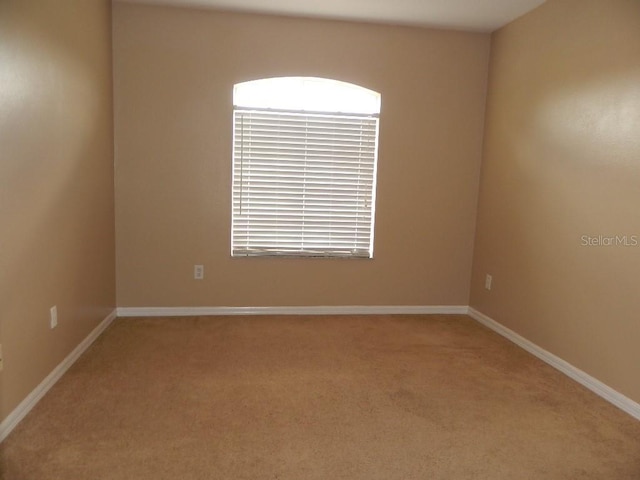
{"x":560,"y":180}
{"x":174,"y":74}
{"x":57,"y":238}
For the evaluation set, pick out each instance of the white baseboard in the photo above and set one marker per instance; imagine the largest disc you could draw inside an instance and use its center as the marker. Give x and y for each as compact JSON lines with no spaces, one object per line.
{"x":9,"y":423}
{"x":593,"y":384}
{"x":317,"y":310}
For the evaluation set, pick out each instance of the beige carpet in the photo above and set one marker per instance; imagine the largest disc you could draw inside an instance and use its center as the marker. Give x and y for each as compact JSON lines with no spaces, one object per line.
{"x":296,"y":398}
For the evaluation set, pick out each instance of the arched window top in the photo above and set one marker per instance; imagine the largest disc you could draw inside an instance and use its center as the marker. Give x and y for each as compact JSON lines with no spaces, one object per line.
{"x":309,"y":94}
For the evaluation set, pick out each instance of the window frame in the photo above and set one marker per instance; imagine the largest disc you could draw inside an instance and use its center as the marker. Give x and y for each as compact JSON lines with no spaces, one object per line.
{"x":369,"y":161}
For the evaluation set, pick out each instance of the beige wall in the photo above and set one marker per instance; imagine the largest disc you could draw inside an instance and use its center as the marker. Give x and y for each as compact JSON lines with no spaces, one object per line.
{"x":56,"y":184}
{"x":562,"y":160}
{"x":174,"y":73}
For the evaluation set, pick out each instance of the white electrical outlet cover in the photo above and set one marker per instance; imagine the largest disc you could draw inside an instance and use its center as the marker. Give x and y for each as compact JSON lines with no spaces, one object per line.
{"x":53,"y":316}
{"x":198,"y":272}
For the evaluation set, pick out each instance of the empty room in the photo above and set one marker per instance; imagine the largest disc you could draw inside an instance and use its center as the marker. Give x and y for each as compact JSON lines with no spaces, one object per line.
{"x":319,"y":240}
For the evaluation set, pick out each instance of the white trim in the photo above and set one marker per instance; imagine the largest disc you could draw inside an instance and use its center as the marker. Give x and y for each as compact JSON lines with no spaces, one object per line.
{"x":317,"y":310}
{"x":9,"y":423}
{"x":596,"y":386}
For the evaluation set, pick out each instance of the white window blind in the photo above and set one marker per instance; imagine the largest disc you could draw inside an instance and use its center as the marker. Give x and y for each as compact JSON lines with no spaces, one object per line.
{"x":303,"y":183}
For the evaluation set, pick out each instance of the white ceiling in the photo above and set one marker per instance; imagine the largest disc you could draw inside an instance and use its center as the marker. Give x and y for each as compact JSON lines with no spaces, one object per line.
{"x":475,"y":15}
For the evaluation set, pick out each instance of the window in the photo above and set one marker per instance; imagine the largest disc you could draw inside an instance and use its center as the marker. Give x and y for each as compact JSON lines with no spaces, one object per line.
{"x":304,"y":168}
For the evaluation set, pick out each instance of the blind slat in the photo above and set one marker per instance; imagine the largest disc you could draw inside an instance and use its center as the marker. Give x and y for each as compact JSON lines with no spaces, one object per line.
{"x":303,"y":184}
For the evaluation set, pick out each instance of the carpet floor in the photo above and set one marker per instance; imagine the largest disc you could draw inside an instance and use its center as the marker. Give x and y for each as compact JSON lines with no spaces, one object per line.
{"x":325,"y":397}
